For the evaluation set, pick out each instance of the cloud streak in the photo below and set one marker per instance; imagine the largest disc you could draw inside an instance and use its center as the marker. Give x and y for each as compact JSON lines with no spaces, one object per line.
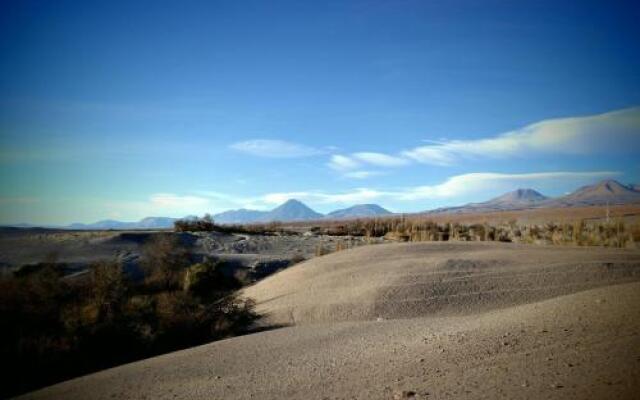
{"x":602,"y":133}
{"x":353,"y":166}
{"x":275,"y":149}
{"x":607,"y":133}
{"x":362,"y":174}
{"x":343,"y":163}
{"x":472,"y":184}
{"x":477,"y":186}
{"x":380,"y":159}
{"x":454,"y":188}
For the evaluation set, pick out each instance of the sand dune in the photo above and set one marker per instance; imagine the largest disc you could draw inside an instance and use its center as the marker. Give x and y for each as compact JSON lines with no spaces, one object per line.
{"x":427,"y":320}
{"x":441,"y":278}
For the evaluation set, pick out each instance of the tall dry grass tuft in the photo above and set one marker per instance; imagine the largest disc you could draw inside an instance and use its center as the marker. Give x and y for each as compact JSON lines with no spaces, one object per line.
{"x":614,"y":233}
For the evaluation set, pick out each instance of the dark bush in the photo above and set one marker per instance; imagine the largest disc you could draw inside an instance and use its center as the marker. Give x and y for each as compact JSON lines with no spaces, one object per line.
{"x":204,"y":224}
{"x":205,"y":280}
{"x":164,"y":260}
{"x":54,"y":329}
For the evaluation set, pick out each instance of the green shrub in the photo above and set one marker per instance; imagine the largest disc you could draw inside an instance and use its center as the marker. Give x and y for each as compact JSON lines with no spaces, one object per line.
{"x":204,"y":224}
{"x":54,"y":329}
{"x":164,"y":260}
{"x":206,"y":280}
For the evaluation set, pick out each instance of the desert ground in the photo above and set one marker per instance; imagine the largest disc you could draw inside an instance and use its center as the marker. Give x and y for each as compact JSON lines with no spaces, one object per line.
{"x":416,"y":320}
{"x":255,"y":255}
{"x":79,"y":248}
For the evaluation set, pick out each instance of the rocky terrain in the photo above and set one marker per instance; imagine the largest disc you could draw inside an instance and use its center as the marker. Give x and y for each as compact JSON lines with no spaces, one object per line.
{"x":416,"y":321}
{"x":254,"y":254}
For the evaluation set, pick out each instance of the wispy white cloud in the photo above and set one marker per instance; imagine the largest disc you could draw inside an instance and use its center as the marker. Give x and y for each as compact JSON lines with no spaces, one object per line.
{"x":455,"y":187}
{"x":275,"y":148}
{"x":343,"y":163}
{"x":362,"y":174}
{"x":351,"y":166}
{"x":434,"y":155}
{"x":595,"y":134}
{"x":616,"y":131}
{"x":471,"y":184}
{"x":380,"y":159}
{"x":340,"y":162}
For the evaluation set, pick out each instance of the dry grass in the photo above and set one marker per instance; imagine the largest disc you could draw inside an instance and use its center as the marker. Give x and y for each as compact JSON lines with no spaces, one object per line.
{"x":581,"y":226}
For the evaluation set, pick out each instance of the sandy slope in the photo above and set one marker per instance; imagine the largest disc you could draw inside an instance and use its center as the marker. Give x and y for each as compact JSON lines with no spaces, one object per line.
{"x":486,"y":321}
{"x":441,"y":278}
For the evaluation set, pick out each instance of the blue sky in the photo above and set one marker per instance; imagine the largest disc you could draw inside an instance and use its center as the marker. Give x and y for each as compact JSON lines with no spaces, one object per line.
{"x":129,"y":109}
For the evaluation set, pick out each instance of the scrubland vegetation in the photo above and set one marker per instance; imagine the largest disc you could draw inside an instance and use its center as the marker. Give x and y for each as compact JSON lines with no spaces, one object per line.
{"x":207,"y":224}
{"x":420,"y":228}
{"x":204,"y":224}
{"x":614,"y":233}
{"x":56,"y":326}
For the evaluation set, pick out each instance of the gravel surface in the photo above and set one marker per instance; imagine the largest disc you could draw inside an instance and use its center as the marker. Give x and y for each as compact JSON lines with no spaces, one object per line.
{"x":420,"y":321}
{"x":78,"y":249}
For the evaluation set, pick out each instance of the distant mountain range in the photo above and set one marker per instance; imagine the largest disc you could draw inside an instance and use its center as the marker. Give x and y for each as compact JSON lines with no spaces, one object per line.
{"x":291,"y":210}
{"x":605,"y":192}
{"x":146,"y":223}
{"x":359,"y":211}
{"x":602,"y":193}
{"x":520,"y":198}
{"x":241,"y":216}
{"x":295,"y":210}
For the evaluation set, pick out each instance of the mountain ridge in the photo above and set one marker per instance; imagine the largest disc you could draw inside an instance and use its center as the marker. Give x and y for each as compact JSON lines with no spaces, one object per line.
{"x":514,"y":200}
{"x":239,"y":216}
{"x":145,"y":223}
{"x":359,"y":210}
{"x":520,"y":196}
{"x":295,"y":210}
{"x":291,"y":210}
{"x":605,"y":192}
